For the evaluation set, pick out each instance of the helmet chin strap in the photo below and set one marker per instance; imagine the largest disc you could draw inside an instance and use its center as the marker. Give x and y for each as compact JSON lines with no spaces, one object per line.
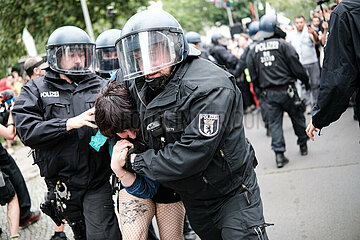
{"x":158,"y":83}
{"x":76,"y":78}
{"x":279,"y":33}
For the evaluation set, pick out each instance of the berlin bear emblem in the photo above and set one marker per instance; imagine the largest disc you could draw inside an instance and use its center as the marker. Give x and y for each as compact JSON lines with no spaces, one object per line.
{"x":209,"y":124}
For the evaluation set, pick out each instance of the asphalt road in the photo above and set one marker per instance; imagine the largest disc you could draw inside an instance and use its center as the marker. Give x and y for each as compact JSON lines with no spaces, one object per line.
{"x":315,"y":197}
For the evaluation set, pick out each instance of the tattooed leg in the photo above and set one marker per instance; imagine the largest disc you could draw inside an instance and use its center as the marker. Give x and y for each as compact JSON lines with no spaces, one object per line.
{"x":135,"y":216}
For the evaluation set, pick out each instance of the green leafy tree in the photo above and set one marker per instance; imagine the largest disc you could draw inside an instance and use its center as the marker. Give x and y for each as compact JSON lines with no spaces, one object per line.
{"x":195,"y":15}
{"x":42,"y":17}
{"x":292,"y":8}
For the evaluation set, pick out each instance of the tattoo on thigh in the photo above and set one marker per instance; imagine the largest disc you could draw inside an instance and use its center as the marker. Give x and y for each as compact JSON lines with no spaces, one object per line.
{"x":131,"y":210}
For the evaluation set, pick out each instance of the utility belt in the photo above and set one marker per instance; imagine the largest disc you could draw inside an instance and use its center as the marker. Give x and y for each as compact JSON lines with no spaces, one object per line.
{"x":54,"y":204}
{"x":279,"y":87}
{"x":292,"y":93}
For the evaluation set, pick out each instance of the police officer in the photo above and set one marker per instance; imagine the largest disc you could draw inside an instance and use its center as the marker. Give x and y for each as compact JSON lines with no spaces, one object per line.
{"x":191,"y":116}
{"x":106,"y":55}
{"x":253,"y":28}
{"x":33,"y":67}
{"x":241,"y":68}
{"x":340,"y":76}
{"x":221,"y":54}
{"x":274,"y":67}
{"x":54,"y":116}
{"x":194,"y":39}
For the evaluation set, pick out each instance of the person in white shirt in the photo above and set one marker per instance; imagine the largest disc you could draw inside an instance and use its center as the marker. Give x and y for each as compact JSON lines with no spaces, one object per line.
{"x":303,"y":39}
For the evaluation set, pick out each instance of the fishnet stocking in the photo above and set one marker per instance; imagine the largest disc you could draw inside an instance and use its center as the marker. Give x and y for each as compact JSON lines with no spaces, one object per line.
{"x":135,"y":216}
{"x":170,"y":220}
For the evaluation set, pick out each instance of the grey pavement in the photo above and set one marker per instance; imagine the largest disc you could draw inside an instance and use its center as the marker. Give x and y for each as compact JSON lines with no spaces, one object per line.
{"x":314,"y":197}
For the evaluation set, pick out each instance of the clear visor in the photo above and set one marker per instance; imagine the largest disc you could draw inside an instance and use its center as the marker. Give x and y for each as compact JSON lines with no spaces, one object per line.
{"x":75,"y":59}
{"x":145,"y":53}
{"x":107,"y":59}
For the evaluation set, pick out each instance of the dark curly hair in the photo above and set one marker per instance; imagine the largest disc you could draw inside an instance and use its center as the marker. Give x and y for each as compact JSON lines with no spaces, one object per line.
{"x":115,"y":110}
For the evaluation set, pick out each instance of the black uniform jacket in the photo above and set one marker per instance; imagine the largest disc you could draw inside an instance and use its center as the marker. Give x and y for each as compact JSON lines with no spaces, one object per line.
{"x":224,"y":57}
{"x":274,"y":62}
{"x":200,"y":150}
{"x":340,"y":75}
{"x":40,"y":114}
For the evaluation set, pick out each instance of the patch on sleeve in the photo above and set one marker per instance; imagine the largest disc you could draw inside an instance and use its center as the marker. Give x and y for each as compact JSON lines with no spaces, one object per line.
{"x":209,"y":124}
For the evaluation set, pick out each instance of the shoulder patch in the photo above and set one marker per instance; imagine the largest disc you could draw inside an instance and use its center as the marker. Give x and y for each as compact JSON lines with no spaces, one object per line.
{"x":209,"y":124}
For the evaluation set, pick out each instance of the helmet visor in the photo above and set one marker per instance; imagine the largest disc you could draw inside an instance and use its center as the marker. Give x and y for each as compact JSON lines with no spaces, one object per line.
{"x":107,"y":59}
{"x":74,"y":59}
{"x":145,"y":53}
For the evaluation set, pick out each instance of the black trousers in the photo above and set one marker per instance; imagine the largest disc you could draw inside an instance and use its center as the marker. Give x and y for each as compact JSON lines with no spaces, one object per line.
{"x":95,"y":207}
{"x":238,"y":215}
{"x":10,"y":168}
{"x":278,"y":102}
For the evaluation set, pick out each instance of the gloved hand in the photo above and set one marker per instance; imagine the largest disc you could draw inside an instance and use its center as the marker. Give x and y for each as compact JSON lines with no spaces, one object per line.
{"x":307,"y":87}
{"x":128,"y":166}
{"x":119,"y":155}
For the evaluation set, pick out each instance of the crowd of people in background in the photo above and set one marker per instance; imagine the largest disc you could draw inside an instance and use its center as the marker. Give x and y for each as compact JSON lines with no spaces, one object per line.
{"x":305,"y":38}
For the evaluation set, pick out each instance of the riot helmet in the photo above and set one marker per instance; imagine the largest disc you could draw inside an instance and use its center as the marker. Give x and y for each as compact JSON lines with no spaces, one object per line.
{"x":193,"y":37}
{"x":106,"y":54}
{"x":218,"y":39}
{"x":268,"y":27}
{"x":70,"y":51}
{"x":253,"y":28}
{"x":151,"y":41}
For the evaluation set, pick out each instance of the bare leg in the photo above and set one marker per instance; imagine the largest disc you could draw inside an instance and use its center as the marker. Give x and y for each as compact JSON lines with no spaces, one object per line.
{"x":9,"y":146}
{"x":170,"y":219}
{"x":135,"y":216}
{"x":13,"y":215}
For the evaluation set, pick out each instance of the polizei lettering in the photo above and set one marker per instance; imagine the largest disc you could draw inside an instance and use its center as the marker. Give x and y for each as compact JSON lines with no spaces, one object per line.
{"x":49,"y":94}
{"x":266,"y":46}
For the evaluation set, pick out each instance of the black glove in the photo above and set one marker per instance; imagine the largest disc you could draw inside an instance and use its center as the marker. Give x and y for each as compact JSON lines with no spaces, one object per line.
{"x":128,"y":166}
{"x":307,"y":87}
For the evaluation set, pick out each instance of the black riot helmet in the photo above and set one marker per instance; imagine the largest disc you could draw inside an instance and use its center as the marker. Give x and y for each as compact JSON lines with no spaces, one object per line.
{"x":193,"y":37}
{"x":150,"y":41}
{"x":106,"y":55}
{"x":70,"y":51}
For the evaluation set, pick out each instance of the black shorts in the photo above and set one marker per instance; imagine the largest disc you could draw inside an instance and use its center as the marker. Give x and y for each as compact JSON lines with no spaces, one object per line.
{"x":166,"y":195}
{"x":7,"y":192}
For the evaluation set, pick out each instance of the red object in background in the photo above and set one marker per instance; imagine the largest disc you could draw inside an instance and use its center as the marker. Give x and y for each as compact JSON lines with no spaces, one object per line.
{"x":3,"y":85}
{"x":252,"y":11}
{"x":254,"y":95}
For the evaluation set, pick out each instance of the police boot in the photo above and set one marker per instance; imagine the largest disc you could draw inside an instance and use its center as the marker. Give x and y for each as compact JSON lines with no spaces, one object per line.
{"x":303,"y":149}
{"x":281,"y":160}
